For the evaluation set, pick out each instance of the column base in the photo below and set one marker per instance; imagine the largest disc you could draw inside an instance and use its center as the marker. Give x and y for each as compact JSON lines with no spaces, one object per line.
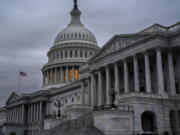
{"x":107,"y":106}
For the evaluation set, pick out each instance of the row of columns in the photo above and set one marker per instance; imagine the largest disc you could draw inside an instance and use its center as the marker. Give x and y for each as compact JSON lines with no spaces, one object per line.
{"x":160,"y":78}
{"x":56,"y":75}
{"x":34,"y":113}
{"x":15,"y":115}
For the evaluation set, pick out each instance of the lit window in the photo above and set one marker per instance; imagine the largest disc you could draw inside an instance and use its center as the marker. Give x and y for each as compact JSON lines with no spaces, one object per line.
{"x":64,"y":71}
{"x":76,"y":71}
{"x":70,"y":74}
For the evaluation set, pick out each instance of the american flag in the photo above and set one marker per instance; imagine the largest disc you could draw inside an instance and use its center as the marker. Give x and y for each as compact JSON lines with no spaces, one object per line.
{"x":22,"y":73}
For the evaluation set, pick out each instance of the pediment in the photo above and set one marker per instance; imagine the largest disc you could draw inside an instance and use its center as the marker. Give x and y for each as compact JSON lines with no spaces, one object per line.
{"x":13,"y":97}
{"x":155,"y":28}
{"x":119,"y":42}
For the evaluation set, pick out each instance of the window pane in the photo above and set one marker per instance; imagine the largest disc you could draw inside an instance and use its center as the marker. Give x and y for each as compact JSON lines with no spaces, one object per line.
{"x":70,"y":74}
{"x":76,"y":74}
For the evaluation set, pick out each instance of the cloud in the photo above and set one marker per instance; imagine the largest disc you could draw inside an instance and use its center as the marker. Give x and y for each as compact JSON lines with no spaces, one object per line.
{"x":28,"y":29}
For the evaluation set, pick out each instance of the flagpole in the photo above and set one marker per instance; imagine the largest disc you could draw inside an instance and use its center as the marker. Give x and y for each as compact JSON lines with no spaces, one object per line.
{"x":19,"y":83}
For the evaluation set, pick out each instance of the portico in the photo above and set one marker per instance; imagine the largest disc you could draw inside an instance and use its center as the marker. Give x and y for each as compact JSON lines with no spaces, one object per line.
{"x":125,"y":76}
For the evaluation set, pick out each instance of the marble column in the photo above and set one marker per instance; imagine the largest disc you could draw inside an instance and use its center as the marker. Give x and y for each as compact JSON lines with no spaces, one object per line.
{"x":171,"y":73}
{"x":23,"y":109}
{"x":47,"y":71}
{"x":15,"y":114}
{"x":67,"y":74}
{"x":126,"y":77}
{"x":40,"y":112}
{"x":160,"y":76}
{"x":116,"y":74}
{"x":51,"y":74}
{"x":73,"y":77}
{"x":31,"y":120}
{"x":147,"y":73}
{"x":136,"y":74}
{"x":89,"y":92}
{"x":55,"y":76}
{"x":83,"y":93}
{"x":92,"y":89}
{"x":100,"y":90}
{"x":108,"y":87}
{"x":61,"y":74}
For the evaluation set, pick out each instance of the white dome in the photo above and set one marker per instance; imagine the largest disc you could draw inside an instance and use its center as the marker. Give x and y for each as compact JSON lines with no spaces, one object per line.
{"x":75,"y":32}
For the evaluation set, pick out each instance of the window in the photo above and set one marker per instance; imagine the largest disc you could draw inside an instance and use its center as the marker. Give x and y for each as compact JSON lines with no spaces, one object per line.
{"x":86,"y":54}
{"x":76,"y":73}
{"x":81,"y":55}
{"x":70,"y":54}
{"x":64,"y":71}
{"x":66,"y":54}
{"x":72,"y":99}
{"x":177,"y":88}
{"x":70,"y":74}
{"x":75,"y":53}
{"x":78,"y":98}
{"x":61,"y":55}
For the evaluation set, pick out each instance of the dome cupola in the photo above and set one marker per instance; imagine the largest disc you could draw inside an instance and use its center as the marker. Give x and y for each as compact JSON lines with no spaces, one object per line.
{"x":75,"y":31}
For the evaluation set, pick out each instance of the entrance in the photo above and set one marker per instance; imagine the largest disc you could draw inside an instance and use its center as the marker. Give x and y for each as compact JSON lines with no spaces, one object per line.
{"x":148,"y":122}
{"x":13,"y":133}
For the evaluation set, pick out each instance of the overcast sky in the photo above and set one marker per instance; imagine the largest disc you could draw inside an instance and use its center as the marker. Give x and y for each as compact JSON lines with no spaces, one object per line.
{"x":28,"y":29}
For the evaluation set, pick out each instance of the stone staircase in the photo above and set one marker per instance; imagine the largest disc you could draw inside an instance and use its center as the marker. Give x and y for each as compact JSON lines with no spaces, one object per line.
{"x":82,"y":125}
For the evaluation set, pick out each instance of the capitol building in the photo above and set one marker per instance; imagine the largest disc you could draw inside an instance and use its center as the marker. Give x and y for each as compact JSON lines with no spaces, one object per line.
{"x":128,"y":86}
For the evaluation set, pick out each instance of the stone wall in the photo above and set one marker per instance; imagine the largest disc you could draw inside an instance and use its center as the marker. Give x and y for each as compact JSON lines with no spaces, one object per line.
{"x":115,"y":122}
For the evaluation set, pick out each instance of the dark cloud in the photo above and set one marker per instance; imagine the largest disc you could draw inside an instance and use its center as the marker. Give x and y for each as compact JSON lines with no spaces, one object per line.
{"x":28,"y":28}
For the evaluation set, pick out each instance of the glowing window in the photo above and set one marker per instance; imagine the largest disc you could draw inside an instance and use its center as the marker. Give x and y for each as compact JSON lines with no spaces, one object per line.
{"x":70,"y":74}
{"x":76,"y":73}
{"x":64,"y":71}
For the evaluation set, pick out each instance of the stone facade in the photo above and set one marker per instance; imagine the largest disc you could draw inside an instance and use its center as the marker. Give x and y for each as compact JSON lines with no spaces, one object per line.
{"x":130,"y":85}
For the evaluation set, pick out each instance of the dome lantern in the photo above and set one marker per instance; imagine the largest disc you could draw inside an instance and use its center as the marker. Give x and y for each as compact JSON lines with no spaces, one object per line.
{"x":75,"y":31}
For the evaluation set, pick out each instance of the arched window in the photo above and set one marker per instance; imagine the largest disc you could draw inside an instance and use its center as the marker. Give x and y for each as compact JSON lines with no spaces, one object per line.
{"x":149,"y":121}
{"x":72,"y":99}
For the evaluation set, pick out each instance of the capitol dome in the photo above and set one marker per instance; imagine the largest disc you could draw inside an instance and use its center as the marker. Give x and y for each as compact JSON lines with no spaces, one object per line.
{"x":75,"y":31}
{"x":72,"y":48}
